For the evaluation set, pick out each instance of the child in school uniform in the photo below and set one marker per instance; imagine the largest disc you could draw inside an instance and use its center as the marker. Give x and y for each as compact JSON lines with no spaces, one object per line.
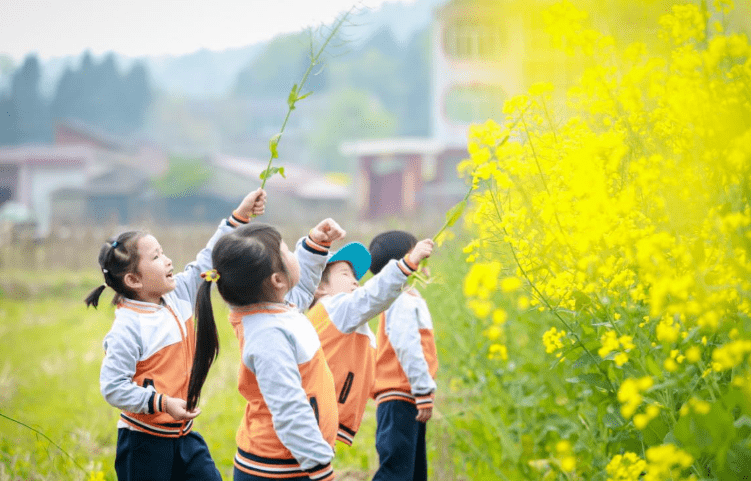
{"x":289,"y":427}
{"x":340,"y":313}
{"x":149,"y":351}
{"x":406,"y":365}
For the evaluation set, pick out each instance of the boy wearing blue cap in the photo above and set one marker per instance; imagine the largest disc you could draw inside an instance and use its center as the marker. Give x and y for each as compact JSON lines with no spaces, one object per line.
{"x":340,"y":313}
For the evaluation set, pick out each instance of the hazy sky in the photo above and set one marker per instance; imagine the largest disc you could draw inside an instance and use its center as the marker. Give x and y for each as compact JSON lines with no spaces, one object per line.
{"x":53,"y":28}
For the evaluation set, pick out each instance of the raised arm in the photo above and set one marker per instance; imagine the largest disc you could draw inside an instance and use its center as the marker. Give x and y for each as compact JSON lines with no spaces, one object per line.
{"x":186,"y":283}
{"x":348,"y":311}
{"x":312,"y":252}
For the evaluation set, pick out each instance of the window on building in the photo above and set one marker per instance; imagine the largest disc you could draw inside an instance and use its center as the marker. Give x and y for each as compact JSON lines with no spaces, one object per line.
{"x":473,"y":39}
{"x":475,"y":103}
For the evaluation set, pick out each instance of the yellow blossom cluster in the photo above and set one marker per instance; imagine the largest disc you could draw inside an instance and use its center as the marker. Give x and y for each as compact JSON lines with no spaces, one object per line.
{"x":629,"y":394}
{"x":552,"y":341}
{"x":666,"y":463}
{"x":625,"y":467}
{"x":612,"y":342}
{"x":663,"y":463}
{"x":730,"y":355}
{"x":621,"y":210}
{"x":635,"y":201}
{"x":565,"y":455}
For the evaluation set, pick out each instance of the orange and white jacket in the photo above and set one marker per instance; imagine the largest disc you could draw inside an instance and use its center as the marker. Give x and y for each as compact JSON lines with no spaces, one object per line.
{"x":290,"y":421}
{"x":341,"y":321}
{"x":149,"y":352}
{"x":406,"y":362}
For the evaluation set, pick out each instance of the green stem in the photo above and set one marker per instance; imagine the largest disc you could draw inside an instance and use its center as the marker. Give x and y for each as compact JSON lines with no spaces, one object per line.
{"x":45,"y":437}
{"x":313,"y":63}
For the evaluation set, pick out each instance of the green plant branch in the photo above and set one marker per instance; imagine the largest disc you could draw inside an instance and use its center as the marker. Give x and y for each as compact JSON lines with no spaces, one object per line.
{"x":45,"y":437}
{"x":294,"y":97}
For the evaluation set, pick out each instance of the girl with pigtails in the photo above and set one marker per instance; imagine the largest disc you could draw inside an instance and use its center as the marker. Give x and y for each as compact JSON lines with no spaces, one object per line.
{"x":291,"y":419}
{"x":149,"y":351}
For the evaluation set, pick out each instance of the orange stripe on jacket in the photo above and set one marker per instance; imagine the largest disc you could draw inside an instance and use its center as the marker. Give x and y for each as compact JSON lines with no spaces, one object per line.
{"x":351,"y":359}
{"x":256,"y":433}
{"x":389,"y":373}
{"x":168,"y":370}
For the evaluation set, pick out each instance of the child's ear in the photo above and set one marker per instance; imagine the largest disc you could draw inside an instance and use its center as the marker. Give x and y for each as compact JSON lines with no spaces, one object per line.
{"x":132,"y":281}
{"x":279,"y":282}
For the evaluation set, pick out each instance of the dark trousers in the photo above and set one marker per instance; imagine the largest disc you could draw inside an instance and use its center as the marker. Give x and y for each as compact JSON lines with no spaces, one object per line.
{"x":142,"y":457}
{"x":400,"y":442}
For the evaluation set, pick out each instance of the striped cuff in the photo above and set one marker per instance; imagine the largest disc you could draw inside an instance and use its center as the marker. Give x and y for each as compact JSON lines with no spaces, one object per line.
{"x":237,"y":220}
{"x":424,"y":402}
{"x":321,"y":472}
{"x":345,"y":435}
{"x":157,"y":403}
{"x":315,"y":247}
{"x":406,"y":266}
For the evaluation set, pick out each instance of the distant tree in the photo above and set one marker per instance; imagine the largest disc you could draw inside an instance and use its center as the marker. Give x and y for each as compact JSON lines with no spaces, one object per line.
{"x":25,"y":115}
{"x":100,"y":95}
{"x":398,"y":75}
{"x":351,"y":114}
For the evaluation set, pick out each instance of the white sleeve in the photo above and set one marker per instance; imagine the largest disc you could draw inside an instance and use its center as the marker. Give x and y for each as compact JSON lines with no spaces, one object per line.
{"x":348,"y":311}
{"x":186,"y":282}
{"x":312,"y":262}
{"x":280,"y":384}
{"x":122,"y":351}
{"x":403,"y":331}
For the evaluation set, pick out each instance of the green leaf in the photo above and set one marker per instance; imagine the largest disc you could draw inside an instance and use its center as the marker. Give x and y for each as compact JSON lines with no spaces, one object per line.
{"x":305,"y":95}
{"x":292,"y":98}
{"x":455,"y":213}
{"x":586,"y":359}
{"x":273,"y":143}
{"x":281,"y":172}
{"x":581,"y":300}
{"x":593,"y":379}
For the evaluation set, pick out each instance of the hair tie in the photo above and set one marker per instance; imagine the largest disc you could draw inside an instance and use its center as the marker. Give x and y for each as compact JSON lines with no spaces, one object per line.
{"x":114,"y":244}
{"x":210,"y":276}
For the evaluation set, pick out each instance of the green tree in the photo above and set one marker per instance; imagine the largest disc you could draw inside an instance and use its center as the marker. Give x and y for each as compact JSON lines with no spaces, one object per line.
{"x":25,"y":113}
{"x":351,"y":114}
{"x":100,"y":95}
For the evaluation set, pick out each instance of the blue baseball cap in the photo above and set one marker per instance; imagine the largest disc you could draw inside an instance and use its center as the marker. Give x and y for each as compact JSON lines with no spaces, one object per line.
{"x":356,"y":254}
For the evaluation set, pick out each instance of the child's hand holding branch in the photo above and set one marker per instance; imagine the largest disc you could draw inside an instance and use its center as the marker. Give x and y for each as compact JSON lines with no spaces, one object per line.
{"x":422,"y":250}
{"x":253,"y":205}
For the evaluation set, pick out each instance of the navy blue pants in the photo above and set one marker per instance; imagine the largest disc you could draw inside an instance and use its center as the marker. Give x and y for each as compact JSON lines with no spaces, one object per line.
{"x":142,"y":457}
{"x":400,"y":442}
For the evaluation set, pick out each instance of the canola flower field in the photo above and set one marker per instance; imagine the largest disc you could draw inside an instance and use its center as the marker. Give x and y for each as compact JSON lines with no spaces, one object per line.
{"x":600,"y":329}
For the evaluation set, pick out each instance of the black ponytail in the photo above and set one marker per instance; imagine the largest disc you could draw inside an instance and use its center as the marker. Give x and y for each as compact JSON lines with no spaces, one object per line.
{"x":207,"y":344}
{"x":244,"y":260}
{"x":93,"y":298}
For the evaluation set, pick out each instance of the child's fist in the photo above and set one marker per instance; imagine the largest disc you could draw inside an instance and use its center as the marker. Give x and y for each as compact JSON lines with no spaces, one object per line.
{"x":176,"y":408}
{"x":254,"y":204}
{"x":424,"y":415}
{"x":422,"y":250}
{"x":326,"y":232}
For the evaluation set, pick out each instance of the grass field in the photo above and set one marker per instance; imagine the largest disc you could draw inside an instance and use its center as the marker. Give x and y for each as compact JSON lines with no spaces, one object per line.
{"x":49,"y":381}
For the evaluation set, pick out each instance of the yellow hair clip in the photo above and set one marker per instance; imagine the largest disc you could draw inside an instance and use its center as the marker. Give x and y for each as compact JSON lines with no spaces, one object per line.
{"x":211,"y":276}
